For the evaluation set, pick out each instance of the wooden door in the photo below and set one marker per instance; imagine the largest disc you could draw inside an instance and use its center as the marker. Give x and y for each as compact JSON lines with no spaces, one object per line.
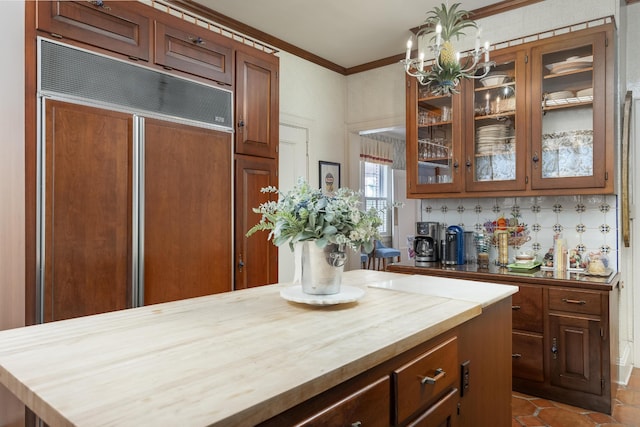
{"x":87,"y":224}
{"x":187,"y":212}
{"x":256,"y":257}
{"x":576,"y":353}
{"x":256,"y":104}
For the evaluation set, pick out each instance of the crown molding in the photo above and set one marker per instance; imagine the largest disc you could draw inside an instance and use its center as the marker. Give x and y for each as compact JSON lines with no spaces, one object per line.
{"x":234,"y":25}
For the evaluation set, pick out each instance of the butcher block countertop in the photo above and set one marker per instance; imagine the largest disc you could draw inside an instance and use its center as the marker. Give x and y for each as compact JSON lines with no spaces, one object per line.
{"x":236,"y":358}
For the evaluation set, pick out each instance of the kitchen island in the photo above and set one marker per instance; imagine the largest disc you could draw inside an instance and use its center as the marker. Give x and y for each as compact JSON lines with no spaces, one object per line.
{"x":244,"y":357}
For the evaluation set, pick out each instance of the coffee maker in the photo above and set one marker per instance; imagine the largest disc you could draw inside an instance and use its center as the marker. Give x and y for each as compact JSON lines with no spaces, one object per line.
{"x":425,"y":244}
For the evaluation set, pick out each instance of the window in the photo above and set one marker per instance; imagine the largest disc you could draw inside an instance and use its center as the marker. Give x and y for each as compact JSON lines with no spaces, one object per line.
{"x":376,"y":183}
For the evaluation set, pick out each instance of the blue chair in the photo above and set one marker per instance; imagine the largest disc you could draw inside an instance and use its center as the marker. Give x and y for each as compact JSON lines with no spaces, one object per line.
{"x":382,"y":252}
{"x":363,"y":259}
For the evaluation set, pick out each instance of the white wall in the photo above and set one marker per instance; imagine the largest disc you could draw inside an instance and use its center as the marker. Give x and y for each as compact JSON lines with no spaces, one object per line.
{"x":316,"y":96}
{"x":12,"y":189}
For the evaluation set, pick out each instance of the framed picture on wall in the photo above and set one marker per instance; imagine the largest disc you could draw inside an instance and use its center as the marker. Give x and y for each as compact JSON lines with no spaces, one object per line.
{"x":329,"y":177}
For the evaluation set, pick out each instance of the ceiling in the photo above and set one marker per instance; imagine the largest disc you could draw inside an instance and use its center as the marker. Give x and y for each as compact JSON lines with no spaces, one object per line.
{"x":345,"y":32}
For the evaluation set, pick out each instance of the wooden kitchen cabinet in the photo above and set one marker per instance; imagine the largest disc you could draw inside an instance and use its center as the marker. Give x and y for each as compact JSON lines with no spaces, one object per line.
{"x":571,"y":122}
{"x":117,"y":26}
{"x":256,"y":257}
{"x":564,"y":333}
{"x":434,"y":142}
{"x":190,"y":49}
{"x":257,"y":105}
{"x":546,"y":128}
{"x":577,"y":338}
{"x":528,"y":329}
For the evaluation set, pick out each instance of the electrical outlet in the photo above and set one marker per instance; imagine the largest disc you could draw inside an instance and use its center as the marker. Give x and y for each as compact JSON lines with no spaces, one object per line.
{"x":464,"y":377}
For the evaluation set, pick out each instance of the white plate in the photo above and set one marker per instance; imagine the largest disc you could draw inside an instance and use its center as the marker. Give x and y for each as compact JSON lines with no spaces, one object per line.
{"x":347,"y":294}
{"x":606,"y":273}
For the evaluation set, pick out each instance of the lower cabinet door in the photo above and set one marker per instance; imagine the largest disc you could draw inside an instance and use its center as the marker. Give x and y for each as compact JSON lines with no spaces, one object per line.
{"x":367,"y":407}
{"x":527,"y":356}
{"x":444,"y":413}
{"x":576,"y":353}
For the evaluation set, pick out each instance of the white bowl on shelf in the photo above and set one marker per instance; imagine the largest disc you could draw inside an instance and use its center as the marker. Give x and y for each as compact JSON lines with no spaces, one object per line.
{"x":494,"y":80}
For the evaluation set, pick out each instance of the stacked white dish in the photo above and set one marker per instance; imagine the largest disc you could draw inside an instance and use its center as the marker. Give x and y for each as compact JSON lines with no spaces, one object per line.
{"x":491,"y":138}
{"x":573,"y":63}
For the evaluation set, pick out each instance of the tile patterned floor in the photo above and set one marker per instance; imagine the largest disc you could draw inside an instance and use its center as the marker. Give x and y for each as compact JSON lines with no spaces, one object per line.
{"x":532,"y":411}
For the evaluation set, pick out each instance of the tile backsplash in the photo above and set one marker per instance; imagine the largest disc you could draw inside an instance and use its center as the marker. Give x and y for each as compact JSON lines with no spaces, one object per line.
{"x":589,"y":223}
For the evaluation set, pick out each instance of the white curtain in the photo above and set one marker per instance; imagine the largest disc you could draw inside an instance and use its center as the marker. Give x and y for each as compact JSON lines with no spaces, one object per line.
{"x":376,"y":151}
{"x":383,"y":150}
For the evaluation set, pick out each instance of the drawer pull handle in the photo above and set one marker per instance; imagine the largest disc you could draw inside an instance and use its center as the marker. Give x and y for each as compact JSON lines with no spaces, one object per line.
{"x":574,"y":301}
{"x":516,"y":356}
{"x":515,"y":307}
{"x":432,"y":380}
{"x":357,"y":424}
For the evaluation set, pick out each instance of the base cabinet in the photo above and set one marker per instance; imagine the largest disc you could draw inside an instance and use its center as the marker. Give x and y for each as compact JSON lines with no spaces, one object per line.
{"x":460,"y":378}
{"x":564,"y":336}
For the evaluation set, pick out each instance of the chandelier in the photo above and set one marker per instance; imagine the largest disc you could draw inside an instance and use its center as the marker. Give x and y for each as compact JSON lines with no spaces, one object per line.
{"x":448,"y":67}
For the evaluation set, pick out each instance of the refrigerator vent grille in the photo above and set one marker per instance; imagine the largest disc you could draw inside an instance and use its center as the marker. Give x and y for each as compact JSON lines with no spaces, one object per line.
{"x":84,"y":75}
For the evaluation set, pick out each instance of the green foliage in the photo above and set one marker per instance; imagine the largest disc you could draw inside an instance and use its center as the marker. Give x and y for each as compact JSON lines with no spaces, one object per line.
{"x":453,"y":21}
{"x":305,"y":214}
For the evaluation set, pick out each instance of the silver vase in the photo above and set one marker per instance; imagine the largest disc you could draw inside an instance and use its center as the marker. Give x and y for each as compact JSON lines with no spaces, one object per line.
{"x":319,"y":270}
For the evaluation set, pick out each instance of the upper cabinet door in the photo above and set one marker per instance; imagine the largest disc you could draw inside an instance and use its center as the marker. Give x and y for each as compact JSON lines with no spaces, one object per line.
{"x":497,"y":135}
{"x":256,"y":104}
{"x":121,"y":27}
{"x":434,"y":142}
{"x":569,"y":116}
{"x":190,"y":49}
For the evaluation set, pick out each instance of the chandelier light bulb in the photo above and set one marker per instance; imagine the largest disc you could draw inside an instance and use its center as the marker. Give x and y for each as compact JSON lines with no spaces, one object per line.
{"x":409,"y":44}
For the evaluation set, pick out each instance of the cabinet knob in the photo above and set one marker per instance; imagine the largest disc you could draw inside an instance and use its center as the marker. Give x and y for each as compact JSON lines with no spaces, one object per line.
{"x":241,"y":123}
{"x":535,"y":159}
{"x":554,"y":348}
{"x":516,"y":356}
{"x":468,"y":163}
{"x":515,"y":307}
{"x":99,"y":3}
{"x":456,"y":164}
{"x":357,"y":424}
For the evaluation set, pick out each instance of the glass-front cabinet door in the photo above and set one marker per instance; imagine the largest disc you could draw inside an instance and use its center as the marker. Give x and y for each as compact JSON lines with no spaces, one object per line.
{"x":496,"y":137}
{"x":433,"y":141}
{"x":568,"y":116}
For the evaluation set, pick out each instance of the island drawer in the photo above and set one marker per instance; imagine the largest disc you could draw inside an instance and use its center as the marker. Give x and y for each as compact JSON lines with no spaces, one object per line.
{"x":425,"y":379}
{"x":575,"y":301}
{"x":367,"y":407}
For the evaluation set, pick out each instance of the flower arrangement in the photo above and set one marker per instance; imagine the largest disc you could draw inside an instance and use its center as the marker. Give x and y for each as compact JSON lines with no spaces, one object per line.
{"x":304,"y":214}
{"x":518,"y":231}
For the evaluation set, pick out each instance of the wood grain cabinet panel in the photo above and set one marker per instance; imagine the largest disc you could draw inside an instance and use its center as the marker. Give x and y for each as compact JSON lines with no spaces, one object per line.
{"x":257,"y":104}
{"x":366,"y":407}
{"x":527,"y":309}
{"x":121,"y":27}
{"x":256,"y":258}
{"x":195,"y":51}
{"x":576,"y":346}
{"x":527,"y":356}
{"x":88,"y":166}
{"x":425,"y":379}
{"x":187,"y":212}
{"x":443,"y":413}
